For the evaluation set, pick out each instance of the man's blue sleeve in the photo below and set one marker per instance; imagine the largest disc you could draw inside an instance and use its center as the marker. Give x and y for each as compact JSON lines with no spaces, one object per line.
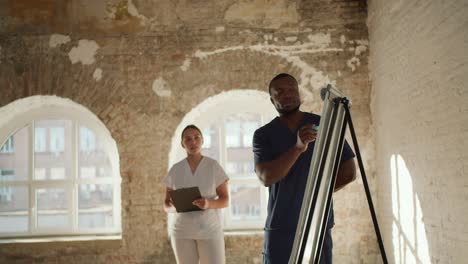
{"x":261,"y":147}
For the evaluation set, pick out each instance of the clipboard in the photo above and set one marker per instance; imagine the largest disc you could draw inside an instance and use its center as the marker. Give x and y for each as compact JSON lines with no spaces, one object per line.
{"x":183,"y":198}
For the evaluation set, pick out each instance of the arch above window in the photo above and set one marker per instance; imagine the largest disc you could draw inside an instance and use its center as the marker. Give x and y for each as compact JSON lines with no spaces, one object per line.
{"x":59,"y":170}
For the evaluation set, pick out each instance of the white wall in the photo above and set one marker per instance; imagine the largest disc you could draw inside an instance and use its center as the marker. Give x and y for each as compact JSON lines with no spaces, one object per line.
{"x":419,"y":75}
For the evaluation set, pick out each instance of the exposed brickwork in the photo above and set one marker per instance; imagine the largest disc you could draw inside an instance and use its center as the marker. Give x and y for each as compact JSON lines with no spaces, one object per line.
{"x":135,"y":50}
{"x":419,"y":76}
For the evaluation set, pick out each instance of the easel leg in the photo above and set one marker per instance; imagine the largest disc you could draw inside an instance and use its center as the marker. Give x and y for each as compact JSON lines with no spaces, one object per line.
{"x":364,"y":180}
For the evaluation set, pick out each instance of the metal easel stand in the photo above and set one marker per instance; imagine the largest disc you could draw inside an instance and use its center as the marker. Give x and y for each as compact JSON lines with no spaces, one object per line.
{"x":349,"y":121}
{"x":326,"y":159}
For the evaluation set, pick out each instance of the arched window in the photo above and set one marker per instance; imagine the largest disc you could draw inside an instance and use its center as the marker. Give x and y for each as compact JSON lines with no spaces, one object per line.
{"x":228,"y":121}
{"x":59,"y":170}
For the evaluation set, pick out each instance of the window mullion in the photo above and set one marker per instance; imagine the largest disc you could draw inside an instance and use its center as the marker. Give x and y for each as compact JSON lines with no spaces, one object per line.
{"x":31,"y":191}
{"x":223,"y":162}
{"x":74,"y":178}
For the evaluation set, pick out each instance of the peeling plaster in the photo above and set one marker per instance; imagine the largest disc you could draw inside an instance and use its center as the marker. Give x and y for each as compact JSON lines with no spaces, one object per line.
{"x":204,"y":54}
{"x":186,"y":65}
{"x":266,"y":12}
{"x":320,"y":39}
{"x":343,"y":39}
{"x":353,"y":63}
{"x":58,"y":39}
{"x":124,"y":10}
{"x":220,"y":29}
{"x":268,"y":37}
{"x":97,"y":75}
{"x":84,"y":52}
{"x":161,"y":88}
{"x":309,"y":76}
{"x":133,"y":11}
{"x":362,"y":42}
{"x":360,"y":49}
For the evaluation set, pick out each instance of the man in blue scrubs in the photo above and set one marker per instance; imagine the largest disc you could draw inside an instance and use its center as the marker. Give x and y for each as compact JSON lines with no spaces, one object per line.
{"x":283,"y":151}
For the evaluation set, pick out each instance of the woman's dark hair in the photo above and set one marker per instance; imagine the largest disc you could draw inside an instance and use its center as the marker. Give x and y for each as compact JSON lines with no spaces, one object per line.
{"x":191,"y":126}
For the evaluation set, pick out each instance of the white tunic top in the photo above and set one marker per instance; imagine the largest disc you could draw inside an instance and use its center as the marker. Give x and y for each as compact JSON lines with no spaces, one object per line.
{"x":205,"y":224}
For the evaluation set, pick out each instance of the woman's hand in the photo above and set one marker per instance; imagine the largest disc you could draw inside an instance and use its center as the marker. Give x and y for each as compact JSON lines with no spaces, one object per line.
{"x":202,"y":203}
{"x":168,"y":204}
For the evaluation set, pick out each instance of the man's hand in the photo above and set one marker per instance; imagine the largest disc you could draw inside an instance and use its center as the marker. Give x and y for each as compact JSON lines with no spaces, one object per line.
{"x":305,"y":135}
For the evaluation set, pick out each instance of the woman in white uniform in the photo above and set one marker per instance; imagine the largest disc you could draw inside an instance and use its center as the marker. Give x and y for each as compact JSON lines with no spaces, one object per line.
{"x":197,"y":237}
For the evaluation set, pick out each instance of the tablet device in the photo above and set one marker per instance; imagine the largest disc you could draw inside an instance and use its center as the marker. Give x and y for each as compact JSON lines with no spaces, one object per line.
{"x":183,"y":198}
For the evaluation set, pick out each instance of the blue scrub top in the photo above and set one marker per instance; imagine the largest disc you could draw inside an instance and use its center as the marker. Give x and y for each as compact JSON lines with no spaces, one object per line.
{"x":285,"y":196}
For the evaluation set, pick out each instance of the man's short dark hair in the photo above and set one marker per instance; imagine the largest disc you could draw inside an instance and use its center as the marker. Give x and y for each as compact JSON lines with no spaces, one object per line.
{"x":280,"y":76}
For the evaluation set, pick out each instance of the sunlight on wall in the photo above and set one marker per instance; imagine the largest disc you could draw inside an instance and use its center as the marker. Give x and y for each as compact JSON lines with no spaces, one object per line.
{"x":408,"y":230}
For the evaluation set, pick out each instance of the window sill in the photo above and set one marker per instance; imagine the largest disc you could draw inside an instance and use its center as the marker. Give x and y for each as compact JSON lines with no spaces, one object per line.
{"x":58,"y":239}
{"x":252,"y":232}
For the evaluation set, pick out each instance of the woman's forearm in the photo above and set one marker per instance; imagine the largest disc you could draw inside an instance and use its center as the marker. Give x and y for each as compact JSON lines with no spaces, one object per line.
{"x":220,"y":202}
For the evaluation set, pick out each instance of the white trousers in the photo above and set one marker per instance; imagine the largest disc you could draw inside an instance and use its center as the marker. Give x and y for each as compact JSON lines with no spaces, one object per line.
{"x":199,"y":251}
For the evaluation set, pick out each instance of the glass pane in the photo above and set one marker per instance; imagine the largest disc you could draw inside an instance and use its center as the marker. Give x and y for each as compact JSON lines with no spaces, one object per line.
{"x":14,"y":157}
{"x":211,"y":142}
{"x":248,"y":129}
{"x":234,"y":167}
{"x":13,"y":209}
{"x":207,"y":137}
{"x":232,"y":130}
{"x":39,"y":139}
{"x":95,"y":202}
{"x":52,"y":144}
{"x":52,"y":208}
{"x":245,"y":202}
{"x":249,"y":167}
{"x":93,"y":160}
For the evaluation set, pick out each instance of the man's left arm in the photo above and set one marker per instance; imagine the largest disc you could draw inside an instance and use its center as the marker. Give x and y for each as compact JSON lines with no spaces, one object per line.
{"x":346,"y":174}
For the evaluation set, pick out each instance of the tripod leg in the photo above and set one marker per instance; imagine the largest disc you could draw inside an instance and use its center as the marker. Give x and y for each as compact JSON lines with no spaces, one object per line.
{"x":364,"y":181}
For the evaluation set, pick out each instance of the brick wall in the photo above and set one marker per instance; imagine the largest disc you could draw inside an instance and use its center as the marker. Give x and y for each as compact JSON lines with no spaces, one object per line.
{"x":418,"y":58}
{"x":141,"y":67}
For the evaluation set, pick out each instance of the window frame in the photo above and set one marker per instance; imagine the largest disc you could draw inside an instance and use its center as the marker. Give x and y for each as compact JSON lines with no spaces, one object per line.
{"x":8,"y":147}
{"x":79,"y":116}
{"x":214,"y":108}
